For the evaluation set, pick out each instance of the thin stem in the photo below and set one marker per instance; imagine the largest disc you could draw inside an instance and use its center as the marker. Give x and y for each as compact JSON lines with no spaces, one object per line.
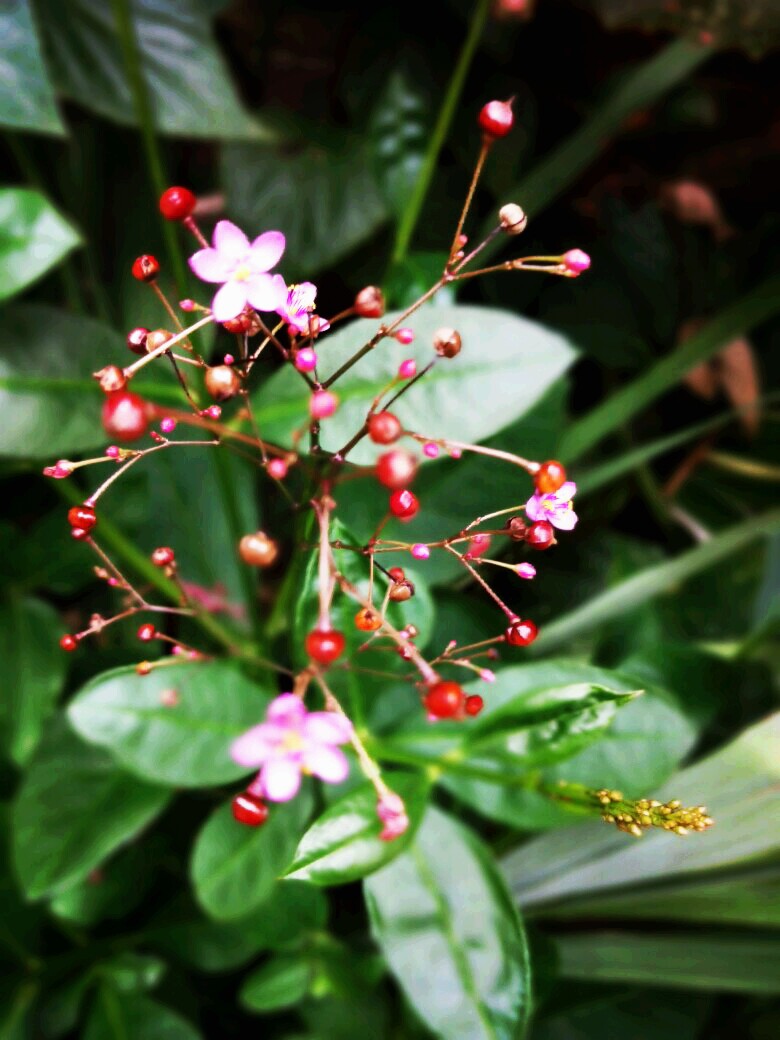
{"x":141,"y":454}
{"x":131,"y":370}
{"x":479,"y":449}
{"x":478,"y":578}
{"x":483,"y":153}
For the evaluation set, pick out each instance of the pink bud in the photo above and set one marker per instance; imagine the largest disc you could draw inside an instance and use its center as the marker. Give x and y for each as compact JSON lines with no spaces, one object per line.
{"x":478,"y":545}
{"x":214,"y":412}
{"x":187,"y":305}
{"x":455,"y":453}
{"x":177,"y":650}
{"x":430,"y":450}
{"x":420,"y":551}
{"x":394,"y":828}
{"x":277,"y":468}
{"x":405,"y":336}
{"x":306,"y":360}
{"x":322,"y":403}
{"x":575,"y":262}
{"x":168,"y":425}
{"x":113,"y":582}
{"x":228,"y":359}
{"x":407,"y":369}
{"x":487,"y":676}
{"x":390,"y":805}
{"x":59,"y":470}
{"x":525,"y":570}
{"x":112,"y":451}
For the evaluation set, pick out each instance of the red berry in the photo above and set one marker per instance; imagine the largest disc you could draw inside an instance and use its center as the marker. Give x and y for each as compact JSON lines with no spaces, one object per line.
{"x":78,"y":533}
{"x":146,"y":632}
{"x":445,"y":700}
{"x":83,"y":517}
{"x":550,"y":477}
{"x":540,"y":535}
{"x":369,"y":302}
{"x":325,"y":645}
{"x":177,"y":203}
{"x":474,"y":704}
{"x":496,"y":118}
{"x":146,"y":268}
{"x":136,"y":340}
{"x":249,"y":809}
{"x":69,"y":643}
{"x":367,"y":620}
{"x":384,"y":428}
{"x":163,"y":557}
{"x":404,"y":504}
{"x":521,"y":633}
{"x":397,"y":573}
{"x":125,"y":416}
{"x":396,"y":469}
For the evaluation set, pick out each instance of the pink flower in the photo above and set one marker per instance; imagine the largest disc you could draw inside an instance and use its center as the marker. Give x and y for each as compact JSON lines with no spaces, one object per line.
{"x":555,"y":507}
{"x":292,"y":741}
{"x":392,"y":812}
{"x":243,"y":269}
{"x":298,"y":309}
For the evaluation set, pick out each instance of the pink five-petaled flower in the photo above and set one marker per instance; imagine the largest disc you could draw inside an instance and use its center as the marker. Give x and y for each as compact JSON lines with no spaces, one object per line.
{"x":298,"y":309}
{"x":242,"y":266}
{"x":555,"y":507}
{"x":292,"y":741}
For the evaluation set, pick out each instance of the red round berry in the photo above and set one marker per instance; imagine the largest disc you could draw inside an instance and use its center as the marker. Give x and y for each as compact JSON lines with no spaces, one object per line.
{"x":550,"y":477}
{"x":146,"y":268}
{"x":249,"y":809}
{"x":163,"y":556}
{"x":384,"y":428}
{"x":177,"y":203}
{"x":404,"y":504}
{"x":369,"y":302}
{"x":83,"y":517}
{"x":474,"y":704}
{"x":540,"y":535}
{"x":521,"y":633}
{"x":325,"y":645}
{"x":396,"y":469}
{"x":397,"y":573}
{"x":146,"y":632}
{"x":69,"y":643}
{"x":125,"y":416}
{"x":496,"y":118}
{"x":445,"y":700}
{"x":136,"y":340}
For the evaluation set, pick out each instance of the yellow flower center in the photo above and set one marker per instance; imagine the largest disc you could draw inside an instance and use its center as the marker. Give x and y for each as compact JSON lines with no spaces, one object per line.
{"x":293,"y":742}
{"x":242,"y":273}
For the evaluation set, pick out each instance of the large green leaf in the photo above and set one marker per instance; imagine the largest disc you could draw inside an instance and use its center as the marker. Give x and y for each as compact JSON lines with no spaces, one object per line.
{"x":33,"y":669}
{"x":344,"y":845}
{"x":120,"y":1016}
{"x":445,"y":923}
{"x":113,"y":891}
{"x":398,"y":136}
{"x":506,"y":364}
{"x":279,"y":983}
{"x":34,"y":237}
{"x":717,"y":961}
{"x":74,"y":807}
{"x":26,"y":96}
{"x":189,"y":85}
{"x":186,"y":745}
{"x":234,"y":867}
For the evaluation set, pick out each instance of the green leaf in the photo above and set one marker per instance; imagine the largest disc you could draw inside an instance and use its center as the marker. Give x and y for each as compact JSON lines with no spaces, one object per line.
{"x":280,"y":983}
{"x":34,"y":670}
{"x":325,"y":199}
{"x":113,"y":891}
{"x":506,"y":360}
{"x":234,"y":867}
{"x":398,"y":135}
{"x":132,"y":972}
{"x":118,"y":1016}
{"x":653,"y":1015}
{"x":187,"y":745}
{"x":26,"y":96}
{"x":412,"y":276}
{"x":653,"y":581}
{"x":33,"y":239}
{"x":73,"y":809}
{"x":189,"y":85}
{"x":723,"y":962}
{"x":344,"y":845}
{"x":447,"y":928}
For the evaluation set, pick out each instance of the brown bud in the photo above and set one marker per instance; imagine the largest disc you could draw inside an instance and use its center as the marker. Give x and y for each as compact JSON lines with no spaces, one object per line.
{"x":258,"y":550}
{"x":515,"y":527}
{"x":111,"y":378}
{"x":401,"y":591}
{"x":369,"y":302}
{"x":154,"y":340}
{"x":222,"y":382}
{"x":446,"y":342}
{"x":136,"y":340}
{"x":513,"y":218}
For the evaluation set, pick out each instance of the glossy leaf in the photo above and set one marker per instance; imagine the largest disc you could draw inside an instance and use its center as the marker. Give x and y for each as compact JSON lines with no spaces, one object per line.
{"x":186,"y":745}
{"x":446,"y":926}
{"x":33,"y":668}
{"x":188,"y":82}
{"x":234,"y":867}
{"x":506,"y":360}
{"x":118,"y":1016}
{"x":73,"y":809}
{"x":344,"y":845}
{"x":26,"y":96}
{"x":279,"y":983}
{"x":34,"y":237}
{"x":398,"y":136}
{"x":114,"y":890}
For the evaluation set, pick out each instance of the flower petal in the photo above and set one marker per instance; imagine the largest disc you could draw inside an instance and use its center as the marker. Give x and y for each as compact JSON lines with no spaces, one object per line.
{"x":280,"y":779}
{"x":229,"y":301}
{"x":266,"y":251}
{"x":286,"y":710}
{"x":252,"y":748}
{"x":566,"y":491}
{"x":564,"y":519}
{"x":534,"y":509}
{"x":230,"y":241}
{"x":326,"y":727}
{"x":328,"y":763}
{"x":210,"y":265}
{"x":266,"y":292}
